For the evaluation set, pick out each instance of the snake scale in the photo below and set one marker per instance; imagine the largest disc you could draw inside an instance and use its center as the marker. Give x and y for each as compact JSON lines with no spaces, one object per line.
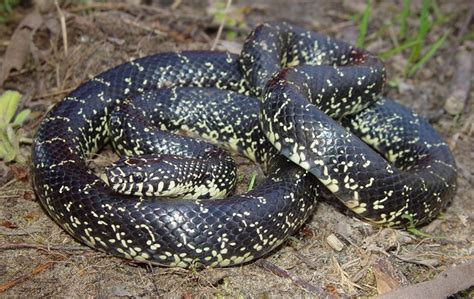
{"x":306,"y":107}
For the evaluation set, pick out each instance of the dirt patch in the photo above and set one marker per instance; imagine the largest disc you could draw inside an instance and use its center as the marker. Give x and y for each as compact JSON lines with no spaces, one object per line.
{"x":48,"y":262}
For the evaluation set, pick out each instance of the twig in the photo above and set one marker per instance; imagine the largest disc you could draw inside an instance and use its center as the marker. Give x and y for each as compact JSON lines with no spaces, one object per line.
{"x":9,"y":183}
{"x":146,"y":28}
{"x":62,"y":19}
{"x":310,"y":264}
{"x":118,"y":6}
{"x":296,"y":280}
{"x":221,"y":26}
{"x":12,"y":246}
{"x":18,"y":232}
{"x":35,"y":271}
{"x":413,"y":261}
{"x":345,"y":280}
{"x":52,"y":94}
{"x":443,"y":285}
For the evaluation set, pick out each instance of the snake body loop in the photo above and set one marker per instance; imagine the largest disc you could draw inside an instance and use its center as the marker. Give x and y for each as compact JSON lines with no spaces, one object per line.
{"x":168,"y":164}
{"x":299,"y":78}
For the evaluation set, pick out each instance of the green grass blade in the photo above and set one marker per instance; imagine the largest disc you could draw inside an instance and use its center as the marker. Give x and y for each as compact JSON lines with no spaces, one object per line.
{"x":21,"y":117}
{"x":7,"y":6}
{"x":428,"y":54}
{"x":419,"y":233}
{"x":422,"y":31}
{"x":405,"y":14}
{"x":440,"y":18}
{"x":364,"y":24}
{"x":398,"y":49}
{"x":252,"y":181}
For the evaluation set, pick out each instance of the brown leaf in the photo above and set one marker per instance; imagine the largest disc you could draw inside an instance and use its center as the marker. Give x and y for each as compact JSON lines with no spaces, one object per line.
{"x":187,"y":295}
{"x":332,"y":289}
{"x":9,"y":224}
{"x":19,"y":46}
{"x":28,"y":195}
{"x":306,"y":232}
{"x":35,"y":271}
{"x":384,"y":276}
{"x":30,"y":216}
{"x":20,"y":172}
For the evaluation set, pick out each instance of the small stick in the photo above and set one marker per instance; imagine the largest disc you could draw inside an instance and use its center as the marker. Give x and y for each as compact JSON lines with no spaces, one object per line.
{"x":53,"y":94}
{"x":296,"y":280}
{"x":345,"y":280}
{"x":221,"y":26}
{"x":117,"y":6}
{"x":62,"y":19}
{"x":412,"y":261}
{"x":11,"y":246}
{"x":18,"y":233}
{"x":18,"y":280}
{"x":7,"y":184}
{"x":146,"y":28}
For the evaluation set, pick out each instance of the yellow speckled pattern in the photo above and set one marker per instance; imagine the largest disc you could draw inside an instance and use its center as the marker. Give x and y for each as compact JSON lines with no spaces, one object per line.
{"x":276,"y":104}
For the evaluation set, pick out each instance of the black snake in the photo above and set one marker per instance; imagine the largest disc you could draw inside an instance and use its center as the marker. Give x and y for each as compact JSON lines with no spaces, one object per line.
{"x":302,"y":80}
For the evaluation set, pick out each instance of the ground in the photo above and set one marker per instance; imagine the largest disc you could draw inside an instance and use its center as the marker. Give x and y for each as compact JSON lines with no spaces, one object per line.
{"x":38,"y":259}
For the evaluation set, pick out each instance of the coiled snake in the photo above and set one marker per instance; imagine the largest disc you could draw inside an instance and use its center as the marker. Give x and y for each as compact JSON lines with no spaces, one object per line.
{"x":304,"y":81}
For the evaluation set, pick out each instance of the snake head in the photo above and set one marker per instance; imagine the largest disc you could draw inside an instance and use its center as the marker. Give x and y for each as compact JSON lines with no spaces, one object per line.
{"x":130,"y":175}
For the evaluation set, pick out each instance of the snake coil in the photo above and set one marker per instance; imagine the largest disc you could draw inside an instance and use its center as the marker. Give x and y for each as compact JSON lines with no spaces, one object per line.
{"x":303,"y":81}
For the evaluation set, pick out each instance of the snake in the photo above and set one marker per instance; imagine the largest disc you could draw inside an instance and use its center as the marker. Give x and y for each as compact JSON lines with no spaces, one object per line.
{"x":307,"y":108}
{"x":165,"y":164}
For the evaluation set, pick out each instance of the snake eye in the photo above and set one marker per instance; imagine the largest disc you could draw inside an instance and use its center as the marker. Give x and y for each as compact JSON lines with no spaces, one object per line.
{"x":138,"y":177}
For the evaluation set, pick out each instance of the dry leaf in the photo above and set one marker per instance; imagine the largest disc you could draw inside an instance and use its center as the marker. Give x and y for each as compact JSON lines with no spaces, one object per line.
{"x":30,"y":217}
{"x":28,"y":195}
{"x":385,"y":277}
{"x":20,"y":172}
{"x":9,"y":224}
{"x":19,"y":46}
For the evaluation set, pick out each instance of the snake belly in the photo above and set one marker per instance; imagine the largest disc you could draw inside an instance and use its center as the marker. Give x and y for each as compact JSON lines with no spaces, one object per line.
{"x":243,"y":227}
